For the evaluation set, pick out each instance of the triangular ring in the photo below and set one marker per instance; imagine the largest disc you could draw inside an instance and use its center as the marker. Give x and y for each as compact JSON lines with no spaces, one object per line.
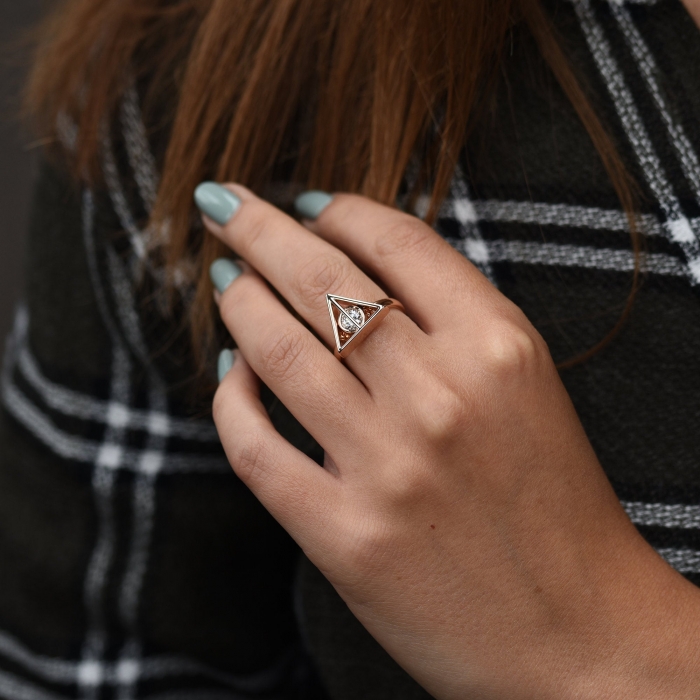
{"x":354,"y":319}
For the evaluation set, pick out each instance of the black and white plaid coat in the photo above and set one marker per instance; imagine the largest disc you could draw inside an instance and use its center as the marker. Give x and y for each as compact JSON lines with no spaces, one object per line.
{"x":134,"y":565}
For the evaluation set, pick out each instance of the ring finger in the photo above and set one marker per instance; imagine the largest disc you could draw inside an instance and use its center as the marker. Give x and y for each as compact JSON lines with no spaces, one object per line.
{"x":303,"y":268}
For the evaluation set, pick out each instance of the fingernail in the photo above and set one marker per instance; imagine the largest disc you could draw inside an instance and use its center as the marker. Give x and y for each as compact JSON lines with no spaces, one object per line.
{"x":226,"y":358}
{"x":310,"y":204}
{"x":222,"y":272}
{"x":216,"y":201}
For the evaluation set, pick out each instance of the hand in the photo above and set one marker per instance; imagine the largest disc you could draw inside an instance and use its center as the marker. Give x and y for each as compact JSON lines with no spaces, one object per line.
{"x":462,"y":513}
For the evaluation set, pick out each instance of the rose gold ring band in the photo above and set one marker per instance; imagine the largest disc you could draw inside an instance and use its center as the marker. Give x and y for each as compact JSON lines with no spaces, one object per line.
{"x":353,"y":320}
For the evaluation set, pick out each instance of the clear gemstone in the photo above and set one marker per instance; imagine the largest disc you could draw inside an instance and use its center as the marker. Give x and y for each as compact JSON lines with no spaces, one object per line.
{"x":356,"y":314}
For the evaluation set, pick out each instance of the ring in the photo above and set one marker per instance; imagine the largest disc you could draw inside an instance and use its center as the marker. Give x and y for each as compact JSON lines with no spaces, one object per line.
{"x":353,"y":320}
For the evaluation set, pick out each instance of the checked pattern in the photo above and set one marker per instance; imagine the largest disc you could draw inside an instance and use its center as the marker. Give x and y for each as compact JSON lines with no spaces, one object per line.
{"x":129,"y":437}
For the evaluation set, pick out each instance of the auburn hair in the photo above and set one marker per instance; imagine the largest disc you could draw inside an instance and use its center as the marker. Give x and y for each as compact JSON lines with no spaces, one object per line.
{"x":338,"y":95}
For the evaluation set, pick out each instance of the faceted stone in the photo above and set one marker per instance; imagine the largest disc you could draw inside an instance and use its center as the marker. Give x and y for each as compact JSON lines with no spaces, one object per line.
{"x":356,"y":314}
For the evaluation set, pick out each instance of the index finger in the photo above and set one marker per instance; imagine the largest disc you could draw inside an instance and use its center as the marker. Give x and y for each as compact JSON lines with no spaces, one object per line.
{"x":414,"y":263}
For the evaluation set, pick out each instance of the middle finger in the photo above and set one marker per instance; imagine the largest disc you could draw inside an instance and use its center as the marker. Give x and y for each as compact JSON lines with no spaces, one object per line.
{"x":304,"y":268}
{"x":316,"y":389}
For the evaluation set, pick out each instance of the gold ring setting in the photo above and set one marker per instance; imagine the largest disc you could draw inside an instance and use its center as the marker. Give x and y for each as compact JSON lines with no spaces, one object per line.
{"x":353,"y":320}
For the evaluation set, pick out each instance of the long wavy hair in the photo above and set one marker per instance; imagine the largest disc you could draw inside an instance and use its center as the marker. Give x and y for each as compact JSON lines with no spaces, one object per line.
{"x":338,"y":95}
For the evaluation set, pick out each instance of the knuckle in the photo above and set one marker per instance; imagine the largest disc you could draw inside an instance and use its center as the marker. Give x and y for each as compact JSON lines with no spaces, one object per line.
{"x":411,"y":485}
{"x":511,"y":350}
{"x":443,"y":411}
{"x":322,"y":274}
{"x":248,"y":455}
{"x":407,"y":236}
{"x":247,"y":450}
{"x":282,"y":354}
{"x":252,"y":222}
{"x":366,"y":546}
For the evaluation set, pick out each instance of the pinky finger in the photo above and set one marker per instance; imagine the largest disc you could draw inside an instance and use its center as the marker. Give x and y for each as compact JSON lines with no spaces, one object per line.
{"x":298,"y":493}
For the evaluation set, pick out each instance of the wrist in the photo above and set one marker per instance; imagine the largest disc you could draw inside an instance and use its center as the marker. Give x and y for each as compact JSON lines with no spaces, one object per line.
{"x":647,"y":642}
{"x":619,"y":624}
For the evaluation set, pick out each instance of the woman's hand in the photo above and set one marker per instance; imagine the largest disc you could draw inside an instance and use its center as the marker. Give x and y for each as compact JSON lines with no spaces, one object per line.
{"x":462,"y":514}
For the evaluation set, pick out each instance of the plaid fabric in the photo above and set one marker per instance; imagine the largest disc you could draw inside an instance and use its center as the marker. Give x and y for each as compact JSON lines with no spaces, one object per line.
{"x":177,"y":583}
{"x":135,"y":565}
{"x":540,"y":216}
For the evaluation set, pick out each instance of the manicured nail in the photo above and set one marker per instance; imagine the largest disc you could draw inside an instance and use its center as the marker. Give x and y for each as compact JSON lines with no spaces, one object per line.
{"x":310,"y":204}
{"x":216,"y":201}
{"x":223,"y":272}
{"x":226,"y":358}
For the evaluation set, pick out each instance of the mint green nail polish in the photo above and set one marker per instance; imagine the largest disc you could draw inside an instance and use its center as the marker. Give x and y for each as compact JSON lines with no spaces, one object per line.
{"x":223,"y":272}
{"x":216,"y":201}
{"x":226,"y":358}
{"x":310,"y":204}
